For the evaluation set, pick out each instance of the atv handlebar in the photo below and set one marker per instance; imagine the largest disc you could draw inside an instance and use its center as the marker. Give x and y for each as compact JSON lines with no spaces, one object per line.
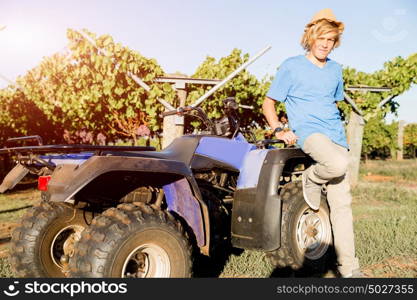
{"x":263,"y":143}
{"x":168,"y":113}
{"x":220,"y":127}
{"x":228,"y":125}
{"x":178,"y":111}
{"x":229,"y":103}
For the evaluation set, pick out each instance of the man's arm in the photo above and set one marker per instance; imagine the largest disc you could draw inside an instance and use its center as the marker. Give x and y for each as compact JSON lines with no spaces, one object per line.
{"x":270,"y":113}
{"x":268,"y":107}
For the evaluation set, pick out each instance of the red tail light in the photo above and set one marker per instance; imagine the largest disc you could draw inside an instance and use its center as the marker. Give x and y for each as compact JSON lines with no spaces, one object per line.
{"x":43,"y":182}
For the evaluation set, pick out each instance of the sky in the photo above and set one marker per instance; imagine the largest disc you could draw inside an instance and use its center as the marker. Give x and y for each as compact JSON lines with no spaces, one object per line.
{"x":181,"y":34}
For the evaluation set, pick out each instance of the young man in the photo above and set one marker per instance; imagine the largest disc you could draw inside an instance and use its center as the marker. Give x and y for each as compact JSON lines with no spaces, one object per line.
{"x":310,"y":85}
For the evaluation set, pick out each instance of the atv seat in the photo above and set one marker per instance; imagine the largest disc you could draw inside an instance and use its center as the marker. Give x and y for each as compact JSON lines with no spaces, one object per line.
{"x":181,"y":149}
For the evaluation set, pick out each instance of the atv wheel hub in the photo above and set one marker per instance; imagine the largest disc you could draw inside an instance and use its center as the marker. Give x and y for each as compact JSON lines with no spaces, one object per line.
{"x":62,"y":247}
{"x":313,"y":234}
{"x":147,"y":260}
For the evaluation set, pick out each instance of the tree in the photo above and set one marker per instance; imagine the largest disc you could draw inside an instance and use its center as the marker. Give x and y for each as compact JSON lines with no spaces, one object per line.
{"x":379,"y":139}
{"x":398,"y":74}
{"x":87,"y":90}
{"x":410,"y":139}
{"x":20,"y":116}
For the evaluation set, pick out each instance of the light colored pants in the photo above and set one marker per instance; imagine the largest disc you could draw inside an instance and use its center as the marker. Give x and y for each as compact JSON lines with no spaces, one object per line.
{"x":331,"y":166}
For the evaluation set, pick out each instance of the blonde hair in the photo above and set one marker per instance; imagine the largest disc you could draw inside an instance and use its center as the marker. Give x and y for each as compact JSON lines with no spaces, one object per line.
{"x":313,"y":31}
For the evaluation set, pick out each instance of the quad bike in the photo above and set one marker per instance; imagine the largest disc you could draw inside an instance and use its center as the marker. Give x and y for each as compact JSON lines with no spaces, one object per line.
{"x":136,"y":212}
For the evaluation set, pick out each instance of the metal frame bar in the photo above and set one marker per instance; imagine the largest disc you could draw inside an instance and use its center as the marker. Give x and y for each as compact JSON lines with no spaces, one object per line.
{"x":386,"y":100}
{"x":352,"y":103}
{"x":367,"y":89}
{"x":202,"y":98}
{"x":186,"y":80}
{"x":229,"y":77}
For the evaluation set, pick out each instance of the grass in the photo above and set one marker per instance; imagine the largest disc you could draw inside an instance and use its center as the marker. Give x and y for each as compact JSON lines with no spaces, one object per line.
{"x":14,"y":205}
{"x":400,"y":170}
{"x":386,"y":229}
{"x":384,"y":220}
{"x":5,"y":270}
{"x":248,"y":264}
{"x":384,"y":210}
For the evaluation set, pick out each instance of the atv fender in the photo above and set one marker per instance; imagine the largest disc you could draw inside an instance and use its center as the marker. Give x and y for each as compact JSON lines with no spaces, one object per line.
{"x":256,"y":216}
{"x":183,"y":196}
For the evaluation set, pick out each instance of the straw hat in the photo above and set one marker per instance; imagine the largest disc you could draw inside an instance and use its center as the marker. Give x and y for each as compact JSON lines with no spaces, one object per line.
{"x":327,"y":14}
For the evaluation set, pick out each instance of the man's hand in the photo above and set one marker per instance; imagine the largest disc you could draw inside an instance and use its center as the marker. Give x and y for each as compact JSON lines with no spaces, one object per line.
{"x":287,"y":136}
{"x":271,"y":116}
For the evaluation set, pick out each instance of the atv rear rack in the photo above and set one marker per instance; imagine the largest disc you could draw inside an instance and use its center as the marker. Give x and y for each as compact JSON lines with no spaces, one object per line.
{"x":76,"y":148}
{"x":42,"y":159}
{"x":43,"y":149}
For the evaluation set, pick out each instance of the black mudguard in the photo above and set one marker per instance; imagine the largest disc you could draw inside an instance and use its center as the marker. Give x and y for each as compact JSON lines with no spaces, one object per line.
{"x":256,"y":216}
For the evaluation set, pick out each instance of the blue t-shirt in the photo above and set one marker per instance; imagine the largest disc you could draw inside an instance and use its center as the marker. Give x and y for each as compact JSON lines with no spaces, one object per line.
{"x":310,"y":94}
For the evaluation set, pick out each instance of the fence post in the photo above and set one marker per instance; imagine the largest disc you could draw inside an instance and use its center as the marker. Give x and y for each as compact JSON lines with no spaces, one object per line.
{"x":173,"y":126}
{"x":354,"y":136}
{"x":400,"y":141}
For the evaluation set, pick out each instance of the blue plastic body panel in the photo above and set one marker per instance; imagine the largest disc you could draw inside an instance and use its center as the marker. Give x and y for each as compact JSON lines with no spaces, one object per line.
{"x":180,"y":199}
{"x":231,"y":152}
{"x":251,"y":169}
{"x":238,"y":153}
